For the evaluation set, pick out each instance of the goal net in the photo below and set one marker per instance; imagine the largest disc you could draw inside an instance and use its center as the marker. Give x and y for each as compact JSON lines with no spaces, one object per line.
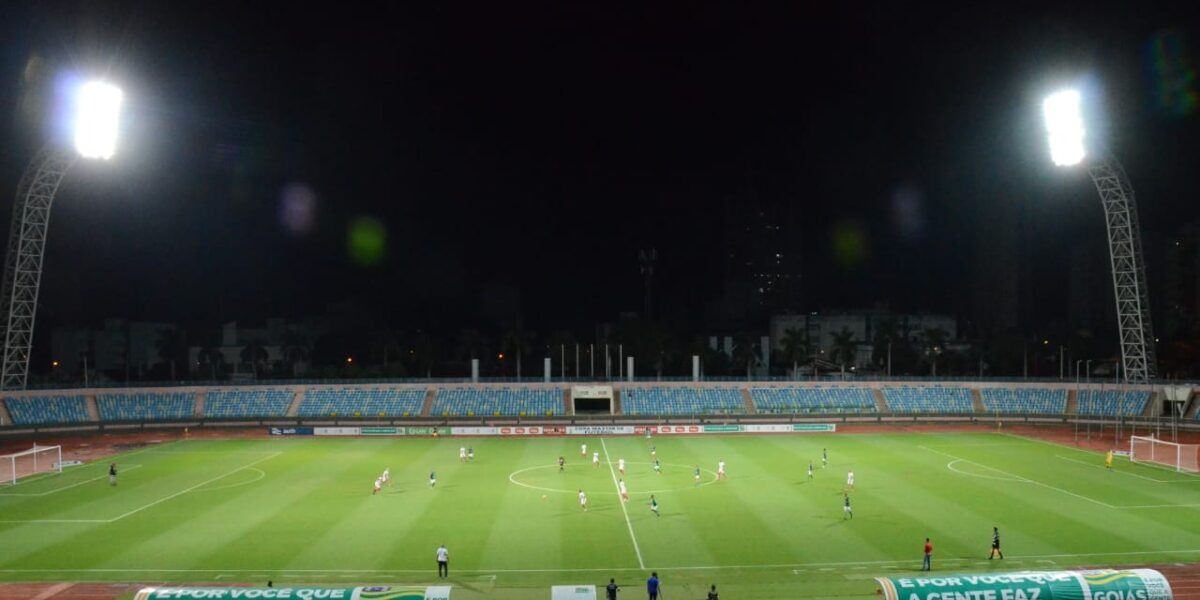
{"x":39,"y":459}
{"x":1181,"y":457}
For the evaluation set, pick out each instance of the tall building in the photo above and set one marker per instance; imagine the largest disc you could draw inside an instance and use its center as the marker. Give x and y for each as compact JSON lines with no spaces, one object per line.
{"x":1181,"y":283}
{"x":762,"y":267}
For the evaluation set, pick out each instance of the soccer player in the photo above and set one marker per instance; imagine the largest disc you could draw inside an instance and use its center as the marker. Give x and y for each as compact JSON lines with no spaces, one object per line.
{"x":810,"y":476}
{"x":712,"y":594}
{"x":443,"y":558}
{"x":432,"y":479}
{"x":657,"y":467}
{"x":653,"y":450}
{"x":112,"y":474}
{"x":621,"y":466}
{"x":610,"y":591}
{"x":721,"y":470}
{"x":624,"y":492}
{"x":562,"y":464}
{"x":378,"y":484}
{"x":996,"y":544}
{"x":583,"y":500}
{"x":824,"y":458}
{"x":462,"y":454}
{"x":847,"y":512}
{"x":850,"y":480}
{"x":583,"y":450}
{"x":596,"y":460}
{"x":471,"y":453}
{"x":697,"y":475}
{"x":927,"y":562}
{"x":654,"y":505}
{"x":1108,"y":460}
{"x":387,"y":476}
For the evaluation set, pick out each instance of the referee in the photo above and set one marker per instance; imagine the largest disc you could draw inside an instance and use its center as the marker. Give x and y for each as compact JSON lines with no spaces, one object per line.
{"x":443,"y":558}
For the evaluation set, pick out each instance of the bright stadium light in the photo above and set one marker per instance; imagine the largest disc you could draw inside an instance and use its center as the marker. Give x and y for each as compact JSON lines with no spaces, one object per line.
{"x":1064,"y":127}
{"x":97,"y":109}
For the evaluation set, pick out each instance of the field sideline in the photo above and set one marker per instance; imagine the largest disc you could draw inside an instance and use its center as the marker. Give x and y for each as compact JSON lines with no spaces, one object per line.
{"x":301,"y":510}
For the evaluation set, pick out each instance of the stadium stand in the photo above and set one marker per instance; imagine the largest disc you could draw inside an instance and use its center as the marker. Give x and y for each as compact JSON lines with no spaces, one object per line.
{"x":226,"y":404}
{"x":469,"y":402}
{"x":681,"y":401}
{"x":1028,"y":401}
{"x":1112,"y":403}
{"x":39,"y":410}
{"x":145,"y":406}
{"x":813,"y":400}
{"x":358,"y":402}
{"x":929,"y":399}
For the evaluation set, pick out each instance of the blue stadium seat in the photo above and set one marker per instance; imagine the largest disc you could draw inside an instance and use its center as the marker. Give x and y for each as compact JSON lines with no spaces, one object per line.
{"x":359,"y":402}
{"x":232,"y":404}
{"x":509,"y":402}
{"x":146,"y":406}
{"x":1025,"y":400}
{"x":1112,"y":403}
{"x":41,"y":410}
{"x":929,"y":399}
{"x":813,"y":400}
{"x":681,"y":401}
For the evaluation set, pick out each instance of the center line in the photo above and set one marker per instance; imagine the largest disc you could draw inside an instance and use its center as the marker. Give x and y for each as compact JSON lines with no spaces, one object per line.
{"x":622,"y":501}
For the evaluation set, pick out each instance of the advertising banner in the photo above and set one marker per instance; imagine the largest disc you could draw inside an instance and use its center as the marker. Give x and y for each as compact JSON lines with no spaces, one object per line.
{"x":814,"y":427}
{"x":335,"y":430}
{"x":291,"y":431}
{"x":592,"y":392}
{"x":434,"y":592}
{"x":600,"y":430}
{"x":427,"y":431}
{"x":723,"y":428}
{"x":1132,"y":584}
{"x":772,"y":428}
{"x":474,"y":431}
{"x":673,"y":429}
{"x":532,"y":430}
{"x":381,"y":431}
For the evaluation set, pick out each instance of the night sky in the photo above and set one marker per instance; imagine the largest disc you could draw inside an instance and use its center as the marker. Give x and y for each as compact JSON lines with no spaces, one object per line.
{"x":516,"y":156}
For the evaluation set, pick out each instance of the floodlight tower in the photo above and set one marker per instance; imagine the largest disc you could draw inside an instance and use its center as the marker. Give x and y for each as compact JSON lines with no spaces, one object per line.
{"x":96,"y":111}
{"x":1064,"y":126}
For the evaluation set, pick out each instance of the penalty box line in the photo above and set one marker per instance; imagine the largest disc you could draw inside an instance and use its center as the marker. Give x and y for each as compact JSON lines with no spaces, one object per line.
{"x":151,"y":504}
{"x":66,"y":487}
{"x":1020,"y":478}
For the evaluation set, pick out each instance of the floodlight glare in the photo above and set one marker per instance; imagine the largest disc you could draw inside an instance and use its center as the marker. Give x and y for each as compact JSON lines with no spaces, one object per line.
{"x":97,"y":108}
{"x":1064,"y":126}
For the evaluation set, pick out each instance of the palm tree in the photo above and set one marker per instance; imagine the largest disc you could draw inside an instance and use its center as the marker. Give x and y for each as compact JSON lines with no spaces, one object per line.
{"x":211,"y":356}
{"x":845,"y":348}
{"x":296,"y":349}
{"x":934,"y":341}
{"x":796,"y":347}
{"x":255,"y":354}
{"x":517,"y":340}
{"x":471,"y":343}
{"x":171,"y":345}
{"x":745,"y":350}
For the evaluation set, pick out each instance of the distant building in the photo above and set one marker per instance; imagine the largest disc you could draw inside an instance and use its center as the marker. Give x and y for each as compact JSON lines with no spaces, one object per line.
{"x":116,"y":345}
{"x":823,"y":328}
{"x":761,"y":262}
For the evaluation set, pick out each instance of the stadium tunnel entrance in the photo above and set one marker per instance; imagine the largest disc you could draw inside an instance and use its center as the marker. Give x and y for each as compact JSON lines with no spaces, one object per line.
{"x":592,"y":399}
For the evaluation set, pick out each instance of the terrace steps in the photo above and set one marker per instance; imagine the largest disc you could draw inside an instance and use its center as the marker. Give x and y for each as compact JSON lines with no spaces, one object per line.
{"x":427,"y":405}
{"x":1072,"y":402}
{"x":1191,"y":412}
{"x":881,"y":404}
{"x":567,"y":402}
{"x":198,"y":407}
{"x":977,"y":401}
{"x":748,"y":400}
{"x":294,"y":407}
{"x":92,"y":410}
{"x":5,"y":419}
{"x":1152,"y":404}
{"x":616,"y":407}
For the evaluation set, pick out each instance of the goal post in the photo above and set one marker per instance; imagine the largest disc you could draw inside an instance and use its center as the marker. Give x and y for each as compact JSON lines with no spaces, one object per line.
{"x":38,"y":459}
{"x":1180,"y":457}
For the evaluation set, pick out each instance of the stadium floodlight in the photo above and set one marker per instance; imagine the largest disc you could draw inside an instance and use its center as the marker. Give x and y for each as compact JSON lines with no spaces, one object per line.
{"x":1064,"y":127}
{"x":97,"y":112}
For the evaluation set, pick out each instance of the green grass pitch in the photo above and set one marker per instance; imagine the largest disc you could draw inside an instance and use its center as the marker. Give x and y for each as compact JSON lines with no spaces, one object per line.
{"x":301,"y":511}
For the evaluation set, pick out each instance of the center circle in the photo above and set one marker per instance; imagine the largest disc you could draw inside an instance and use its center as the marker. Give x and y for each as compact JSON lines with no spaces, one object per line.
{"x":515,"y":478}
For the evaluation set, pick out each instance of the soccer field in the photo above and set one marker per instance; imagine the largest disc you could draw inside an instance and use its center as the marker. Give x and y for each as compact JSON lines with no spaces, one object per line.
{"x":302,"y":511}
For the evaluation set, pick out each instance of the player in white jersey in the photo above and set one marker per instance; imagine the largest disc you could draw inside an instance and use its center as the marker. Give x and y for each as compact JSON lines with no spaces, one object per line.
{"x":624,"y":492}
{"x":462,"y":454}
{"x":378,"y":484}
{"x":387,"y":475}
{"x":721,"y":469}
{"x":850,"y":480}
{"x":596,"y":459}
{"x":621,"y":465}
{"x":583,"y":500}
{"x":583,"y":450}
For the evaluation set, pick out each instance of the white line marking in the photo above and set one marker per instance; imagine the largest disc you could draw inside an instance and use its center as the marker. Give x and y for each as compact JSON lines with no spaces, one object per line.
{"x":1021,"y":479}
{"x":186,"y":490}
{"x":592,"y":569}
{"x":1095,"y":466}
{"x":950,"y":465}
{"x":261,"y":475}
{"x":512,"y":479}
{"x":54,"y":491}
{"x":633,"y":537}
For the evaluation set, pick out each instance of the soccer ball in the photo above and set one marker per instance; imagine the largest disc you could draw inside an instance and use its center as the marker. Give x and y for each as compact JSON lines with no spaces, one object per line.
{"x":543,"y":496}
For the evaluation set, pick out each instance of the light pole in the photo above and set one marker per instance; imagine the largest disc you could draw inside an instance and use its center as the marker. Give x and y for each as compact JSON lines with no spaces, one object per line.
{"x":96,"y":110}
{"x":1065,"y":133}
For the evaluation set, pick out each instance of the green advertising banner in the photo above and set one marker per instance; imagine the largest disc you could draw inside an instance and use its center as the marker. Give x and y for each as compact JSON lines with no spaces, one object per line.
{"x":426,"y":430}
{"x":381,"y":431}
{"x":437,"y":592}
{"x":1133,"y":584}
{"x":814,"y":427}
{"x":722,"y":428}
